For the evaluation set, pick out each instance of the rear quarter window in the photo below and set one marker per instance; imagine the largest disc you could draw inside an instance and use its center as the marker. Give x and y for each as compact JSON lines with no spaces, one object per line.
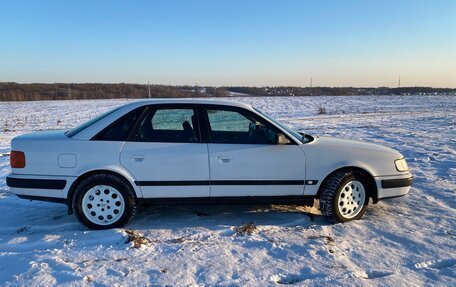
{"x":120,"y":129}
{"x":74,"y":131}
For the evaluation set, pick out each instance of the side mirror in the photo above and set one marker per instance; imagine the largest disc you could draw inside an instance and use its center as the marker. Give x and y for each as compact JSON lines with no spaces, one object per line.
{"x":282,"y":139}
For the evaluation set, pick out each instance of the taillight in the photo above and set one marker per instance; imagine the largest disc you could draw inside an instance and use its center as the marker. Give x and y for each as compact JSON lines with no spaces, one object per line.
{"x":17,"y":159}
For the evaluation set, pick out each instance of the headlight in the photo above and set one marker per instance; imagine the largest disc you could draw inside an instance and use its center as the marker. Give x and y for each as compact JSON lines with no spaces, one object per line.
{"x":401,"y":164}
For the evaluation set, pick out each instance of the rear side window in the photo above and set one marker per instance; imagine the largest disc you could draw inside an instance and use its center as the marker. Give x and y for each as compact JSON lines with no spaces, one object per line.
{"x":175,"y":125}
{"x":171,"y":119}
{"x":120,"y":129}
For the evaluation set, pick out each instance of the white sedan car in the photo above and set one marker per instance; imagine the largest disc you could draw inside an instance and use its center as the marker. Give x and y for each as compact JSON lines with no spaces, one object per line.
{"x":198,"y":151}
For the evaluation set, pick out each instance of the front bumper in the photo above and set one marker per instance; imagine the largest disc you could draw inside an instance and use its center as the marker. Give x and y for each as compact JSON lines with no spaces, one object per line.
{"x":393,"y":186}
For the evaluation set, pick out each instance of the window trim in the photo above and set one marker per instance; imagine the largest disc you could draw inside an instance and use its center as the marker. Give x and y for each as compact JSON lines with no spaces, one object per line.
{"x":151,"y":107}
{"x":244,"y":112}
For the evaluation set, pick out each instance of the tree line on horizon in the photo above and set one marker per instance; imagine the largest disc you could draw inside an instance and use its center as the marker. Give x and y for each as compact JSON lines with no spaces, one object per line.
{"x":62,"y":91}
{"x":11,"y":91}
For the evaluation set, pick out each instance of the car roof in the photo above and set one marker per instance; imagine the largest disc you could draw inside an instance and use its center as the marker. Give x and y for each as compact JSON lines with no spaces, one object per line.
{"x":188,"y":101}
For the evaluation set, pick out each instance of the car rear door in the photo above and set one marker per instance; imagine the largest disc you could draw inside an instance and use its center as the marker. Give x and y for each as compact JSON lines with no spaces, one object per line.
{"x":245,"y":159}
{"x":165,"y":153}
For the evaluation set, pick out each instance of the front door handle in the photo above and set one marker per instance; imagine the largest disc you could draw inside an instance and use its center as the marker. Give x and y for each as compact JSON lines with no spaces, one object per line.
{"x":224,"y":158}
{"x":138,"y":157}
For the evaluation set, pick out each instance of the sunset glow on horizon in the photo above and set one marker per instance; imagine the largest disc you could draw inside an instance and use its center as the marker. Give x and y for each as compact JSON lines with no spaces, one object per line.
{"x":229,"y":43}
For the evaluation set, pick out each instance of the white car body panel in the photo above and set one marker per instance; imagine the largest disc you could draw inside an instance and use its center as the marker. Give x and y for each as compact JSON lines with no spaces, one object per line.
{"x":53,"y":155}
{"x":168,"y":162}
{"x":231,"y":162}
{"x":325,"y":155}
{"x":45,"y":148}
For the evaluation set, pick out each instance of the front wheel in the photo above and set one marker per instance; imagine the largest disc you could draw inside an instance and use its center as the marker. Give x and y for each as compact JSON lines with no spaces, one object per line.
{"x":344,"y":196}
{"x":104,"y":201}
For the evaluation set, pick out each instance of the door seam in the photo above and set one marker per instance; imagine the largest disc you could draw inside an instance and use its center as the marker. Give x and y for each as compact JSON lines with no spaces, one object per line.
{"x":209,"y":169}
{"x":131,"y":174}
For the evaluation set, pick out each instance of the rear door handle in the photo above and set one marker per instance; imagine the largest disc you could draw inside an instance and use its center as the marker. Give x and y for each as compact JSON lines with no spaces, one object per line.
{"x":224,"y":158}
{"x":138,"y":157}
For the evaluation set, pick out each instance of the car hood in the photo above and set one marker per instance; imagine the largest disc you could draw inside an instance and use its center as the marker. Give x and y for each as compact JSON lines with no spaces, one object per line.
{"x":329,"y":154}
{"x":353,"y":145}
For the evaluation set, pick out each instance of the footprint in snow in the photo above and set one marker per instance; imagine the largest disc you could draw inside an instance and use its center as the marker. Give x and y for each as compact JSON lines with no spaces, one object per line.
{"x":436,"y":264}
{"x":286,"y":280}
{"x":198,"y":213}
{"x":372,"y":274}
{"x":22,"y":229}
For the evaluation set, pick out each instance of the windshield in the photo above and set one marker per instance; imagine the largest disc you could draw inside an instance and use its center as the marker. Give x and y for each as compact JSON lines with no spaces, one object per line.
{"x":87,"y":124}
{"x":295,"y":134}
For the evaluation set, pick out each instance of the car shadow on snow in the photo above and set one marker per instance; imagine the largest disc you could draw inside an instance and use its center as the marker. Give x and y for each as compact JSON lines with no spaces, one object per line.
{"x":25,"y":217}
{"x":223,"y":216}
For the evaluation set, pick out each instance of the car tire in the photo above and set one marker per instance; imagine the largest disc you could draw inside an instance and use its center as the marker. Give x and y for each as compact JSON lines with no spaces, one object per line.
{"x":104,"y":201}
{"x":344,"y":196}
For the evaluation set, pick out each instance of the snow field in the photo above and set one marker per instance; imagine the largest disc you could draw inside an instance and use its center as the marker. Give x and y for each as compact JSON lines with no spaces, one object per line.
{"x":408,"y":241}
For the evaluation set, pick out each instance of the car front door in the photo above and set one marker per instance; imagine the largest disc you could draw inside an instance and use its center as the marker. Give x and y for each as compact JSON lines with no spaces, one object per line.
{"x":165,"y":153}
{"x":245,"y":158}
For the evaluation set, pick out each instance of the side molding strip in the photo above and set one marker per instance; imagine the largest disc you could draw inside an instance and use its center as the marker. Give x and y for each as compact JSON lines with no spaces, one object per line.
{"x":219,"y":182}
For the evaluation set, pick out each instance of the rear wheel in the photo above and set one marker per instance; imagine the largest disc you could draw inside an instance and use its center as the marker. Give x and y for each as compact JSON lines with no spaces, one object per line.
{"x":345,"y":196}
{"x":104,"y":201}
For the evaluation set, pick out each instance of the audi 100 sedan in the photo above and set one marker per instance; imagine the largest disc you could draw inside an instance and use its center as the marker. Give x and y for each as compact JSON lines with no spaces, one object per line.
{"x":198,"y":151}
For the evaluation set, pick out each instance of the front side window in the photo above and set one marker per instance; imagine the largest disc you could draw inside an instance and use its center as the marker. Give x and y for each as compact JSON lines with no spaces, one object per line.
{"x":228,"y":121}
{"x":233,"y":127}
{"x":176,"y":125}
{"x":295,"y":134}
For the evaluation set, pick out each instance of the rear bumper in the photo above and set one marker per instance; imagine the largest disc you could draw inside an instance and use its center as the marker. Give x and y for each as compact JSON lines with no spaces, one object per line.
{"x":33,"y":183}
{"x":393,"y":186}
{"x":35,"y":187}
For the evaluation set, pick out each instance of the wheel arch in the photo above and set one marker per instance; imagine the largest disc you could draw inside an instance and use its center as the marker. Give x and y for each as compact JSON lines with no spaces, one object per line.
{"x":87,"y":174}
{"x":372,"y":186}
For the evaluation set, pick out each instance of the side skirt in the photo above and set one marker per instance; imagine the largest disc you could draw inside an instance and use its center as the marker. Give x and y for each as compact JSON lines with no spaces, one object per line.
{"x":289,"y":200}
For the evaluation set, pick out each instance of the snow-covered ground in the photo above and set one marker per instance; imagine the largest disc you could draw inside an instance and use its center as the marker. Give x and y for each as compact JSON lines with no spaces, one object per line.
{"x":408,"y":241}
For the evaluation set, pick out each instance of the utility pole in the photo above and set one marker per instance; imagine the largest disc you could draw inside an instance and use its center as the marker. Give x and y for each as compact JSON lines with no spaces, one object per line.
{"x":310,"y":86}
{"x":148,"y":87}
{"x":399,"y":82}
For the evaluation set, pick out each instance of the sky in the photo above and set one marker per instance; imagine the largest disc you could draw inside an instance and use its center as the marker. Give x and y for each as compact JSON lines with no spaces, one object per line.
{"x":228,"y":43}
